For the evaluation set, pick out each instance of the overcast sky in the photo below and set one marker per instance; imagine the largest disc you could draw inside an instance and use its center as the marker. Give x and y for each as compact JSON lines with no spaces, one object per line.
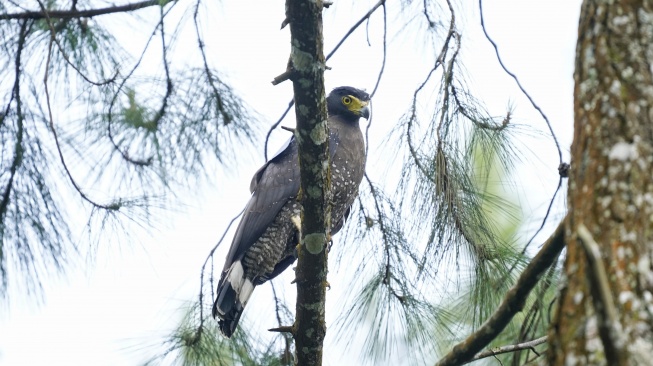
{"x":131,"y":295}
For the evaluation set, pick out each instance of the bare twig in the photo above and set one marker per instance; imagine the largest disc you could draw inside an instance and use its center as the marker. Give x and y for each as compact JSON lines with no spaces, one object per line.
{"x":286,"y":75}
{"x":282,"y":329}
{"x":115,"y":206}
{"x":510,"y":348}
{"x":386,"y":241}
{"x":354,"y":27}
{"x":208,"y":257}
{"x":164,"y":59}
{"x":86,"y":13}
{"x":426,"y":14}
{"x":385,"y":47}
{"x":274,"y":126}
{"x":286,"y":358}
{"x":496,"y":50}
{"x":512,"y":303}
{"x":544,"y":220}
{"x":378,"y":79}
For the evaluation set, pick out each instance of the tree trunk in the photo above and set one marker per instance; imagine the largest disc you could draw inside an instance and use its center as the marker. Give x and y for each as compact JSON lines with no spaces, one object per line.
{"x":312,"y":134}
{"x":605,"y":315}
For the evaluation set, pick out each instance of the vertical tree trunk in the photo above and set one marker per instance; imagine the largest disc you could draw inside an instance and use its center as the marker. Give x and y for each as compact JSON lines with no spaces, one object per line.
{"x":605,"y":315}
{"x":312,"y":134}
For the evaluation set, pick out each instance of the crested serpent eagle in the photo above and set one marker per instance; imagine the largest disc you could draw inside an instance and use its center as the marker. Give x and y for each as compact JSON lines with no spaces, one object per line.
{"x":265,"y":240}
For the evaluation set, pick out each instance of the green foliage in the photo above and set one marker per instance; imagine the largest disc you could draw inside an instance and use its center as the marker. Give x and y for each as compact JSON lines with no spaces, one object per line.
{"x":432,"y":259}
{"x":195,"y":343}
{"x":88,"y":135}
{"x":430,"y":262}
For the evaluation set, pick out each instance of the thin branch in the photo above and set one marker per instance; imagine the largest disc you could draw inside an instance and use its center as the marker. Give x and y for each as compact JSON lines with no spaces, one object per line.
{"x":86,"y":13}
{"x":385,"y":53}
{"x":378,"y":79}
{"x":125,"y":156}
{"x":18,"y":149}
{"x":342,"y":40}
{"x":496,"y":50}
{"x":210,"y":256}
{"x":512,"y":303}
{"x":546,"y":217}
{"x":209,"y":75}
{"x":354,"y":27}
{"x":439,"y":61}
{"x":286,"y":357}
{"x":164,"y":55}
{"x":480,"y":124}
{"x":53,"y":36}
{"x":386,"y":240}
{"x":111,"y":207}
{"x":286,"y":75}
{"x":282,"y":329}
{"x":426,"y":14}
{"x":610,"y":333}
{"x":274,"y":126}
{"x":509,"y":348}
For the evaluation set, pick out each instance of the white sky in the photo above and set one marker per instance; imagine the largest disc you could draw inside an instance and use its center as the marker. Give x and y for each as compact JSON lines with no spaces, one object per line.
{"x":128,"y":298}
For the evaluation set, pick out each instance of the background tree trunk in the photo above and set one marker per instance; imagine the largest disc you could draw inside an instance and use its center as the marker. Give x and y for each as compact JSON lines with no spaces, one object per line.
{"x":606,"y":307}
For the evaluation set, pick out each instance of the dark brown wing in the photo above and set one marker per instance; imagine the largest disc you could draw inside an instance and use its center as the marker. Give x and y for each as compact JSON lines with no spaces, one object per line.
{"x":272,"y":186}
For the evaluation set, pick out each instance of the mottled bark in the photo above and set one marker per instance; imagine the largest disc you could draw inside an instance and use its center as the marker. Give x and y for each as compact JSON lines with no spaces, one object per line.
{"x":307,"y":74}
{"x":610,"y":192}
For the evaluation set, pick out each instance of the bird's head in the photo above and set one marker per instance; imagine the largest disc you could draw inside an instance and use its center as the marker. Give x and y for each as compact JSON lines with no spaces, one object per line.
{"x":349,"y":103}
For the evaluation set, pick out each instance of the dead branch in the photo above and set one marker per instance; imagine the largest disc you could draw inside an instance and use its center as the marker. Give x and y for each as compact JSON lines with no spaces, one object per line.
{"x":510,"y":348}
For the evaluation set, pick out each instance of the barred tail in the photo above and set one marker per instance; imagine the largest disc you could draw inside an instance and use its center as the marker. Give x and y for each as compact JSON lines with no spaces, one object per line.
{"x":233,"y":292}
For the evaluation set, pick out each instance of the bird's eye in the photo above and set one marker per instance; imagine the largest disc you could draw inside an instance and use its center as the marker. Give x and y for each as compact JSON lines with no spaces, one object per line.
{"x":346,"y":100}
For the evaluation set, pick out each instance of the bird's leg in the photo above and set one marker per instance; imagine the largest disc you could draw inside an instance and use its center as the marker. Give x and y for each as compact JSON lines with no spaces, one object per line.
{"x":330,"y":241}
{"x":297,"y":221}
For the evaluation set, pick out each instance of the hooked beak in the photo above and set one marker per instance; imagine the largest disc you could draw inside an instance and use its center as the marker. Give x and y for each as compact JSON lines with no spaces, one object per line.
{"x":365,"y":111}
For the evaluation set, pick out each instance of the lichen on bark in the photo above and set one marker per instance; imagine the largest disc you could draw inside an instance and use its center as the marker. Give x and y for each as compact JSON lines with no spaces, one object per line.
{"x":307,"y":58}
{"x":610,"y":187}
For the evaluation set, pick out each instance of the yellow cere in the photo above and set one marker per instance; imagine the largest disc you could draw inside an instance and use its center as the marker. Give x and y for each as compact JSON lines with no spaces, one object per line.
{"x":354,"y":104}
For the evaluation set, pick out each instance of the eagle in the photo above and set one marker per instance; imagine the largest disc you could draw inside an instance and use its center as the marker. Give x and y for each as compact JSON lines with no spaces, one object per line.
{"x":267,"y":235}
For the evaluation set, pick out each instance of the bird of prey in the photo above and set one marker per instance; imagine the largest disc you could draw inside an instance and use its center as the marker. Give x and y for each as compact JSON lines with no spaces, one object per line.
{"x":265,"y":240}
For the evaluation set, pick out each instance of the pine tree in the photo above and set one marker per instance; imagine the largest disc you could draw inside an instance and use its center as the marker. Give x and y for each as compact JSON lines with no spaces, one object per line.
{"x":144,"y":135}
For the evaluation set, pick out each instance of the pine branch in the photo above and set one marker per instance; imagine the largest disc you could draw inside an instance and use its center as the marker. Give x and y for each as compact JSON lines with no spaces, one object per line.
{"x":308,"y":61}
{"x":510,"y":348}
{"x":512,"y":304}
{"x":18,"y":149}
{"x":87,"y":13}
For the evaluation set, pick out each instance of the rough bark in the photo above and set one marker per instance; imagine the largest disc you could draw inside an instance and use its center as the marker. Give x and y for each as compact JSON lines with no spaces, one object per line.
{"x":610,"y":193}
{"x":307,"y":74}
